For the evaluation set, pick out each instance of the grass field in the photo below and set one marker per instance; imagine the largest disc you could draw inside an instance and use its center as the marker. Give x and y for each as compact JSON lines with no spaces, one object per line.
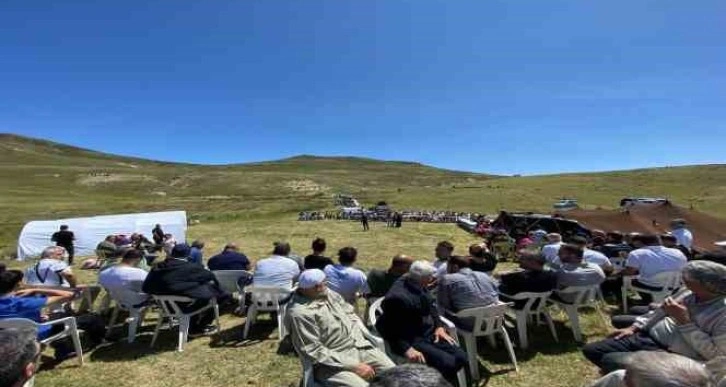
{"x":226,"y":360}
{"x":257,"y":204}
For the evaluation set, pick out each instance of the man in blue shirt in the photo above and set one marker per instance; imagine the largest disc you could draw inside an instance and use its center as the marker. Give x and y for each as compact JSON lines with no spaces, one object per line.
{"x":229,"y":259}
{"x":29,"y":304}
{"x":196,"y":255}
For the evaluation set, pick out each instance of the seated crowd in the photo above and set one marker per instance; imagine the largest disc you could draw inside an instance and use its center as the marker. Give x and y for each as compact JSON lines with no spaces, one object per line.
{"x":685,"y":331}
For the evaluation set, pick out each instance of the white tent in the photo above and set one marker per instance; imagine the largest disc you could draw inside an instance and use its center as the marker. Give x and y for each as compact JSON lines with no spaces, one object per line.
{"x":90,"y":231}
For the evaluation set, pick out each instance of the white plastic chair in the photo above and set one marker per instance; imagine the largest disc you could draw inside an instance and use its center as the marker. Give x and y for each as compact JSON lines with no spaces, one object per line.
{"x":376,"y":310}
{"x":136,"y":314}
{"x":670,"y":282}
{"x":581,"y":296}
{"x":70,"y":329}
{"x":535,"y":307}
{"x":170,"y":310}
{"x":228,"y":281}
{"x":488,"y":322}
{"x":266,"y":299}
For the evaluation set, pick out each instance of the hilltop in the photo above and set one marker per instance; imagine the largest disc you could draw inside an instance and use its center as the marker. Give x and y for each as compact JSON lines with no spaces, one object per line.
{"x":43,"y":179}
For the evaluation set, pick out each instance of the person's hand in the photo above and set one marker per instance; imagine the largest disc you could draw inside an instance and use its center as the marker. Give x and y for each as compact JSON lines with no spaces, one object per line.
{"x":623,"y":333}
{"x":24,"y":292}
{"x":415,"y":356}
{"x":676,"y":311}
{"x":365,"y":371}
{"x":440,"y":334}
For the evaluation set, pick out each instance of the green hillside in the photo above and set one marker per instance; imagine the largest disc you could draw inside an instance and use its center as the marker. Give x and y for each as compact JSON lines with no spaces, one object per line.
{"x":45,"y":180}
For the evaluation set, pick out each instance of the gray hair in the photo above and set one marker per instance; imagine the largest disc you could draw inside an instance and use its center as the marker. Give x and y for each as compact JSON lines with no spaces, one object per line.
{"x":19,"y":348}
{"x":711,"y":275}
{"x":663,"y":369}
{"x":420,"y":270}
{"x":48,"y":252}
{"x":410,"y":375}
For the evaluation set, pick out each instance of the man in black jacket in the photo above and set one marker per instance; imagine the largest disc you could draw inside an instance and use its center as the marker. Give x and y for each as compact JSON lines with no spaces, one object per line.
{"x":533,"y":278}
{"x":411,"y":325}
{"x":178,"y":277}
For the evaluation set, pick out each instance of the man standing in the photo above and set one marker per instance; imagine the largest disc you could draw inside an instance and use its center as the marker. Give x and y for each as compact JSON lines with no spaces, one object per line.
{"x":326,"y":331}
{"x":64,"y":238}
{"x":682,"y":234}
{"x":410,"y":323}
{"x":364,"y":220}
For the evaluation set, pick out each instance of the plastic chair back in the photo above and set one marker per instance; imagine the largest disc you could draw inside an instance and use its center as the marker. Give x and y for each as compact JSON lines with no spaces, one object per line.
{"x":228,"y":279}
{"x":488,"y":320}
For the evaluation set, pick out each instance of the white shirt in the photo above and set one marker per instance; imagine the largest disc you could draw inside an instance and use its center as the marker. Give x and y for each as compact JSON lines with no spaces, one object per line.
{"x":346,"y":281}
{"x":596,"y":257}
{"x":652,"y":260}
{"x":47,"y":272}
{"x":551,"y":253}
{"x":124,"y":284}
{"x":684,"y":237}
{"x":441,"y":266}
{"x":276,"y":271}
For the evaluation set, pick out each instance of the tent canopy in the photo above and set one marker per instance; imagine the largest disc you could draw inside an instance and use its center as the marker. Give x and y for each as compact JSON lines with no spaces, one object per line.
{"x":36,"y":235}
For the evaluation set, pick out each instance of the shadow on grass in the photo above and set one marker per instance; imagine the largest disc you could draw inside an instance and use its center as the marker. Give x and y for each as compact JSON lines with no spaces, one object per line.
{"x":260,"y":331}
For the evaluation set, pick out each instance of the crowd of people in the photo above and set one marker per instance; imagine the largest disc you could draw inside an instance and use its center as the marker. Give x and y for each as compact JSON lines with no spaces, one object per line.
{"x":429,"y":216}
{"x":683,"y":332}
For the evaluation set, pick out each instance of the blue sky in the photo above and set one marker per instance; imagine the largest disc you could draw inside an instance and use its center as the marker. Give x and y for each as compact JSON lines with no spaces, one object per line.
{"x":490,"y":86}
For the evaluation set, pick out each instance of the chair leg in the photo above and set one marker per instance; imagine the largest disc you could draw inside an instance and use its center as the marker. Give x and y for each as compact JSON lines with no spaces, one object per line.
{"x":522,"y":331}
{"x":134,"y":323}
{"x":624,"y":295}
{"x":183,"y":332}
{"x":575,"y":322}
{"x":551,"y":324}
{"x":157,"y":329}
{"x":471,"y":352}
{"x":216,"y":317}
{"x":112,"y":321}
{"x":510,"y":348}
{"x":77,"y":344}
{"x":461,"y":378}
{"x":251,"y":316}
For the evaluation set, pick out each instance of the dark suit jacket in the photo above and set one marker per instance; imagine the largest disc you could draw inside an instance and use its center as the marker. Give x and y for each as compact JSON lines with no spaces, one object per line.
{"x":176,"y":277}
{"x":229,"y":260}
{"x":409,"y":315}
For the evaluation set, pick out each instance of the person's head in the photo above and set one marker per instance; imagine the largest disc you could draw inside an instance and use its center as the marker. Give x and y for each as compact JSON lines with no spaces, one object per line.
{"x":571,"y":254}
{"x":110,"y":238}
{"x":53,"y":252}
{"x":614,"y":237}
{"x":180,"y":250}
{"x":319,"y":245}
{"x":598,"y":233}
{"x":197,"y":244}
{"x":444,"y":249}
{"x":347,"y":256}
{"x":554,"y":237}
{"x":64,"y":227}
{"x":644,"y":240}
{"x":421,"y":272}
{"x":669,"y":240}
{"x":456,"y":263}
{"x":579,"y":241}
{"x":477,"y":251}
{"x":598,"y":241}
{"x":531,"y":260}
{"x":157,"y":226}
{"x":663,"y":369}
{"x":20,"y":351}
{"x":281,"y":248}
{"x":409,"y":375}
{"x":311,"y":283}
{"x":132,"y":257}
{"x":400,"y":264}
{"x":678,"y":223}
{"x":706,"y":279}
{"x":10,"y":280}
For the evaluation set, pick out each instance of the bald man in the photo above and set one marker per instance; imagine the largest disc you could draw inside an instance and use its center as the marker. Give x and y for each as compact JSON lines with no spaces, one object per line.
{"x":380,"y":281}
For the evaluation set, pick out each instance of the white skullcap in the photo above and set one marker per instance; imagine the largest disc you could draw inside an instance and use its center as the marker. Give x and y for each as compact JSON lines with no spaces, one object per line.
{"x":310,"y":278}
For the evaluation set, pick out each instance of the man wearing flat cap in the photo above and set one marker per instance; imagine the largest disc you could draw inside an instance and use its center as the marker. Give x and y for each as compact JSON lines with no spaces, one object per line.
{"x":691,"y":324}
{"x":327,"y":332}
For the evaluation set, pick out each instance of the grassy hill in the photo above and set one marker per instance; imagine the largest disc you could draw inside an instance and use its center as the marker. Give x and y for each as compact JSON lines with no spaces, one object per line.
{"x":45,"y":180}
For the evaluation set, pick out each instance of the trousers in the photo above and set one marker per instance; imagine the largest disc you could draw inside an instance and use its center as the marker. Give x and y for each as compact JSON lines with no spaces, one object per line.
{"x":336,"y":377}
{"x":611,"y":354}
{"x":446,"y":358}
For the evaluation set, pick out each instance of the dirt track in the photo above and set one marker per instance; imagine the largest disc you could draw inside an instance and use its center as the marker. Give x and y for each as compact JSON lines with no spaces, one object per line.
{"x":706,"y":229}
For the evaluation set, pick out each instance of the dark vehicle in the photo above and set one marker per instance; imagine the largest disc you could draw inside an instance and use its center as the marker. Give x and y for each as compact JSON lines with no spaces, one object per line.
{"x":525,"y":222}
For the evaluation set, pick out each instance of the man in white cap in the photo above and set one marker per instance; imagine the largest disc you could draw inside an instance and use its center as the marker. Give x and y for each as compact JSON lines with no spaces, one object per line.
{"x":327,"y":332}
